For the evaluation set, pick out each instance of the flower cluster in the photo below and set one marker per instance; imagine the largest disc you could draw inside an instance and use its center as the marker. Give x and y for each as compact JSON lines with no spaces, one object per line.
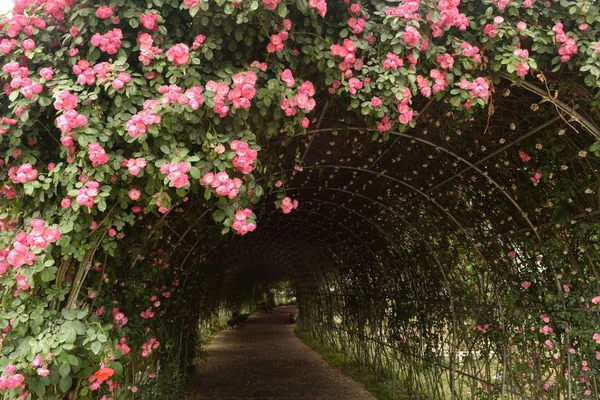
{"x":100,"y":376}
{"x":392,"y":61}
{"x":445,"y":61}
{"x":6,"y":45}
{"x":411,"y":36}
{"x":384,"y":125}
{"x":87,"y":194}
{"x":18,"y":256}
{"x":65,"y":101}
{"x":24,"y":173}
{"x":535,"y":179}
{"x":243,"y":91}
{"x":179,"y":54}
{"x":134,"y":165}
{"x":346,"y":51}
{"x":41,"y":368}
{"x":302,"y":100}
{"x":87,"y":75}
{"x":568,"y":45}
{"x":71,"y":120}
{"x":39,"y":236}
{"x":287,"y":205}
{"x":356,"y":22}
{"x":109,"y":42}
{"x":138,"y":123}
{"x":104,"y":12}
{"x":123,"y":346}
{"x":523,"y":67}
{"x":354,"y":85}
{"x":119,"y":319}
{"x":479,"y":88}
{"x":406,"y":114}
{"x":10,"y":380}
{"x":287,"y":77}
{"x":6,"y":121}
{"x":198,"y":40}
{"x":148,"y":21}
{"x":449,"y":17}
{"x":20,"y":80}
{"x":121,"y":80}
{"x":276,"y":43}
{"x":147,"y":51}
{"x":319,"y":5}
{"x":147,"y":347}
{"x":240,"y":222}
{"x":172,"y":93}
{"x":97,"y":154}
{"x":244,"y":156}
{"x":222,"y":184}
{"x":406,"y":10}
{"x":19,"y":22}
{"x":177,"y":173}
{"x":439,"y":80}
{"x":468,"y":50}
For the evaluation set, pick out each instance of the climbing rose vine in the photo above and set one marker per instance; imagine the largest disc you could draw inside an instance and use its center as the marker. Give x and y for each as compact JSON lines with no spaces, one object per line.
{"x":117,"y":111}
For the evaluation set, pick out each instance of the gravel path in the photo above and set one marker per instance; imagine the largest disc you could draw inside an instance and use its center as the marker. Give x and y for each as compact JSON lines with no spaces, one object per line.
{"x":263,"y":359}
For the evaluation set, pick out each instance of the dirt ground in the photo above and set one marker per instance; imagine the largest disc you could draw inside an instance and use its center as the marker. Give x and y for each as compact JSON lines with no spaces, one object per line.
{"x":263,"y":359}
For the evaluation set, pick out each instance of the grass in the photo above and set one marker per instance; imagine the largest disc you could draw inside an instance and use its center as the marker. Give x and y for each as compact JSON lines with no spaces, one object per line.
{"x":380,"y":389}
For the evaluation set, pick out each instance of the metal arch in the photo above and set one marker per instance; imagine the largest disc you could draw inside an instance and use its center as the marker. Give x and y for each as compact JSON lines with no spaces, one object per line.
{"x":364,"y":218}
{"x":457,"y":157}
{"x":588,"y":125}
{"x":494,"y":153}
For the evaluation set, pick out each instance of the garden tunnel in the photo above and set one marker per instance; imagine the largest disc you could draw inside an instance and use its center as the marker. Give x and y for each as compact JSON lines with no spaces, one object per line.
{"x":443,"y":156}
{"x":435,"y":260}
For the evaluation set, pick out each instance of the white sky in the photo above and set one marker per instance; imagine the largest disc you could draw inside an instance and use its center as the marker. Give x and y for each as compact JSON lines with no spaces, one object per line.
{"x":6,"y":5}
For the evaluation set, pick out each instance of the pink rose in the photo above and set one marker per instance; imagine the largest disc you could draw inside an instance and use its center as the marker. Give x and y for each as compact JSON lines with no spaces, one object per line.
{"x":287,"y":77}
{"x":375,"y":101}
{"x":134,"y":194}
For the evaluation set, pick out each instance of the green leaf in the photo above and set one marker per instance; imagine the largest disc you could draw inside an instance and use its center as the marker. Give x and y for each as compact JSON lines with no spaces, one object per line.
{"x":66,"y":333}
{"x":118,"y":367}
{"x":282,"y":10}
{"x":48,"y":274}
{"x":64,"y":369}
{"x":219,"y":215}
{"x":302,"y":6}
{"x":38,"y":388}
{"x":96,"y":347}
{"x":65,"y":383}
{"x":195,"y":173}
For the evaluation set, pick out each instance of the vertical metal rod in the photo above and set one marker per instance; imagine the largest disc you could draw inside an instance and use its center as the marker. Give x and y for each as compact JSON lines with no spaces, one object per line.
{"x":569,"y":382}
{"x":394,"y":374}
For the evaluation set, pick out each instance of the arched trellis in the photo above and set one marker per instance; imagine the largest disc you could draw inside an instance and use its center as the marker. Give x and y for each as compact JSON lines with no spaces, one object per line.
{"x":425,"y":193}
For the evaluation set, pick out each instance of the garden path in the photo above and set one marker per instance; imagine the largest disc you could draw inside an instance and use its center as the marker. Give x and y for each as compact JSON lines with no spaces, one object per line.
{"x":263,"y":359}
